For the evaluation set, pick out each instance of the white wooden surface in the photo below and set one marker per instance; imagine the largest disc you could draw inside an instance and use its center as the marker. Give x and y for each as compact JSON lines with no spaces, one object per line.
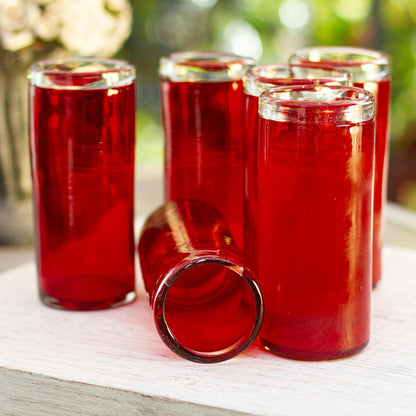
{"x":112,"y":362}
{"x":400,"y":226}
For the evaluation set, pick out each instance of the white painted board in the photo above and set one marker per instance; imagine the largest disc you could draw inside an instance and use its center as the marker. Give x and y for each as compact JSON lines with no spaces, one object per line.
{"x":112,"y":362}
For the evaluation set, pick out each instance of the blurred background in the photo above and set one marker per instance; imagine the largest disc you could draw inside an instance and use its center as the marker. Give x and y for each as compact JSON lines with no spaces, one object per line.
{"x":143,"y":31}
{"x":269,"y":30}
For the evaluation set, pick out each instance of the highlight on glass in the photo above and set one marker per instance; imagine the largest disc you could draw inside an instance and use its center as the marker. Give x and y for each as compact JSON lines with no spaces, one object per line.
{"x":315,"y":187}
{"x":370,"y":69}
{"x":206,"y":303}
{"x":202,"y":111}
{"x":82,"y":140}
{"x":257,"y":80}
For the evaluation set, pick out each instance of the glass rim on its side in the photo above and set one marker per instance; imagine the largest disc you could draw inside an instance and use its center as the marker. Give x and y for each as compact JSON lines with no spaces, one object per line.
{"x":207,"y":305}
{"x":81,"y":73}
{"x":262,"y":77}
{"x":168,"y":334}
{"x":204,"y":66}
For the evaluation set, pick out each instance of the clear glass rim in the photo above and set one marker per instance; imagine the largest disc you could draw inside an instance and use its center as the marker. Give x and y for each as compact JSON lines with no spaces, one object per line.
{"x":178,"y":67}
{"x":159,"y":303}
{"x":363,"y":64}
{"x":261,"y":77}
{"x":291,"y":104}
{"x":95,"y":73}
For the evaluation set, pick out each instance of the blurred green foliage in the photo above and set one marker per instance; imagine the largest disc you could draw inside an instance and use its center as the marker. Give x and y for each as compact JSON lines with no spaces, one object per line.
{"x":269,"y":30}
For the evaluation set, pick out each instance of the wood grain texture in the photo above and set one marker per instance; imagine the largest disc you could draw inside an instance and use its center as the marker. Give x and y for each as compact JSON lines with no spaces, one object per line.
{"x":112,"y":362}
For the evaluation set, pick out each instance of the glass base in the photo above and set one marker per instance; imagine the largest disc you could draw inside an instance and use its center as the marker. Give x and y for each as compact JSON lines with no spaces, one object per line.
{"x":311,"y":355}
{"x":86,"y":306}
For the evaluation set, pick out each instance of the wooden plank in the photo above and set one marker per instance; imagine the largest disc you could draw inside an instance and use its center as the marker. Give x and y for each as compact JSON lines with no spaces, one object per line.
{"x":112,"y":362}
{"x":48,"y":396}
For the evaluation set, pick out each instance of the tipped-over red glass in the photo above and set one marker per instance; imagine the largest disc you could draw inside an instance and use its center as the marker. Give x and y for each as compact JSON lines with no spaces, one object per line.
{"x":257,"y":80}
{"x":82,"y":151}
{"x":203,"y":110}
{"x":370,"y":69}
{"x":315,"y":187}
{"x":206,"y":303}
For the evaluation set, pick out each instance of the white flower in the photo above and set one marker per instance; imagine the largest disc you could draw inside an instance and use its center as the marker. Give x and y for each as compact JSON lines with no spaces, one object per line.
{"x":48,"y":26}
{"x":17,"y":15}
{"x":92,"y":29}
{"x":84,"y":27}
{"x":15,"y":41}
{"x":16,"y":19}
{"x":115,"y":5}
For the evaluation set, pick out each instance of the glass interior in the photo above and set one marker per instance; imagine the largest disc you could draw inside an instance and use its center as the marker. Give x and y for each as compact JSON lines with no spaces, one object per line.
{"x":363,"y":64}
{"x":210,"y":312}
{"x":337,"y":104}
{"x":203,"y":66}
{"x":260,"y":78}
{"x":81,"y":73}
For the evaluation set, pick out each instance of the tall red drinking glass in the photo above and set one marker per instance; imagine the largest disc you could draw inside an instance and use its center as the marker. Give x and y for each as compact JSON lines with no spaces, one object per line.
{"x":203,"y":109}
{"x":206,"y":303}
{"x":315,"y":187}
{"x":257,"y":80}
{"x":82,"y":139}
{"x":369,"y":69}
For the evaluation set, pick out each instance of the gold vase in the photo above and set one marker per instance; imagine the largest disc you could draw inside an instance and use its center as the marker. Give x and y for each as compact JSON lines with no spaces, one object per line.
{"x":15,"y":177}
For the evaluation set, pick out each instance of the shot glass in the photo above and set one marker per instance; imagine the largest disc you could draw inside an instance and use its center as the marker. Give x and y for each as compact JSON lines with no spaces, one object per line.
{"x":370,"y":69}
{"x":82,"y":140}
{"x":206,"y":303}
{"x":257,"y":80}
{"x":202,"y":110}
{"x":315,"y":187}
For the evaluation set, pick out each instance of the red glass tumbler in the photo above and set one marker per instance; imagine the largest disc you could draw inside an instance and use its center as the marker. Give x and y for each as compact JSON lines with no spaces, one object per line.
{"x":257,"y":80}
{"x":315,"y":187}
{"x":370,"y":69}
{"x":206,"y":303}
{"x":82,"y":139}
{"x":202,"y":109}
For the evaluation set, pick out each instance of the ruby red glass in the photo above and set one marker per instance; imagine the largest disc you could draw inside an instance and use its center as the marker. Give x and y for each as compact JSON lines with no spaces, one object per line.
{"x":370,"y":69}
{"x":315,"y":186}
{"x":203,"y":109}
{"x":257,"y":80}
{"x":82,"y":152}
{"x":206,"y":303}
